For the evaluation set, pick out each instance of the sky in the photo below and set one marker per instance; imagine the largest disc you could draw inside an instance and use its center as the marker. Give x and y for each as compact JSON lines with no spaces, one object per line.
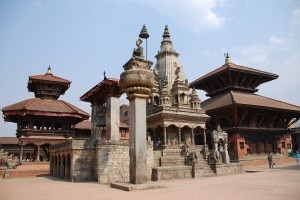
{"x":80,"y":39}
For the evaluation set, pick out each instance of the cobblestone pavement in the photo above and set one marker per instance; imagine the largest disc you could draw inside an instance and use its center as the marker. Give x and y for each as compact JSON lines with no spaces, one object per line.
{"x":260,"y":182}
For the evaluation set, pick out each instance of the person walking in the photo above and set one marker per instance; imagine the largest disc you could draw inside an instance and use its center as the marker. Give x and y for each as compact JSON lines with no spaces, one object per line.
{"x":297,"y":156}
{"x":270,"y":160}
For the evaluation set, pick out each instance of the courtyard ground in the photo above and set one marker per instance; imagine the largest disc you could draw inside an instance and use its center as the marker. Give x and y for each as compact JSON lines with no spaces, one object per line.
{"x":260,"y":182}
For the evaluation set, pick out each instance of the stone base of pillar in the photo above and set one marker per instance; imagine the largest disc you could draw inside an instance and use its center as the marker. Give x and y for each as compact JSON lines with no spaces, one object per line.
{"x":112,"y":156}
{"x":132,"y":187}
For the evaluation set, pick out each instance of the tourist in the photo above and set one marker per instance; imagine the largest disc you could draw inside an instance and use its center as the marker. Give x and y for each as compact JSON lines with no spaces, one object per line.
{"x":297,"y":156}
{"x":270,"y":160}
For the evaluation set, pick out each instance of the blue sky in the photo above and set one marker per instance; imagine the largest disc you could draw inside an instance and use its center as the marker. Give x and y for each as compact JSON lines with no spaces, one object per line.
{"x":80,"y":39}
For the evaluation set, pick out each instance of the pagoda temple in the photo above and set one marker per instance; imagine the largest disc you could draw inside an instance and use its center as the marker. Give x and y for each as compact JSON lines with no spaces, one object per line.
{"x":256,"y":125}
{"x":44,"y":120}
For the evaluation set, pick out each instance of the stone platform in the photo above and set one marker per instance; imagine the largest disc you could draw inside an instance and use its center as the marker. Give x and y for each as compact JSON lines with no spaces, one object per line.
{"x":133,"y":187}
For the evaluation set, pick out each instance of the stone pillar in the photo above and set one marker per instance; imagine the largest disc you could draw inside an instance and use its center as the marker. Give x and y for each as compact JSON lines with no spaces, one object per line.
{"x":112,"y":118}
{"x":138,"y":145}
{"x":37,"y":153}
{"x":204,"y":137}
{"x":179,"y":136}
{"x":165,"y":136}
{"x":137,"y":80}
{"x":193,"y":138}
{"x":21,"y":153}
{"x":226,"y":155}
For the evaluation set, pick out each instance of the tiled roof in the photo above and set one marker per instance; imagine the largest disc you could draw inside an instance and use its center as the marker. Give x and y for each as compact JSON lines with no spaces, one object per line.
{"x":86,"y":124}
{"x":230,"y":98}
{"x":9,"y":140}
{"x":48,"y":77}
{"x":100,"y":90}
{"x":37,"y":106}
{"x":232,"y":66}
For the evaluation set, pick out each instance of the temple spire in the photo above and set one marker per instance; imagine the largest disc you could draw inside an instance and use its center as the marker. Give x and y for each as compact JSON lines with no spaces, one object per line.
{"x":166,"y":33}
{"x":166,"y":37}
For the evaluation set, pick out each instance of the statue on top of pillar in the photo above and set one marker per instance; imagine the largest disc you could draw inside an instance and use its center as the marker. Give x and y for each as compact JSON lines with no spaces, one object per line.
{"x":139,"y":50}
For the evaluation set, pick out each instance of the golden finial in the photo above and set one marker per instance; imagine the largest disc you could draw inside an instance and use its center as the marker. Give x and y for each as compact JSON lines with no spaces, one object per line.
{"x":49,"y":71}
{"x":227,"y":58}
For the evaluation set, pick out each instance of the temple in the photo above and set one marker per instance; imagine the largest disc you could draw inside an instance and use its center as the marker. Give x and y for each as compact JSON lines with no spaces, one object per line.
{"x":256,"y":125}
{"x":44,"y":120}
{"x":174,"y":114}
{"x":165,"y":132}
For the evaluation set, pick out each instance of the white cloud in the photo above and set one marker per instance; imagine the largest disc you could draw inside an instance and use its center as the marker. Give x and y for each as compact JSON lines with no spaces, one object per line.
{"x":275,"y":40}
{"x":192,"y":14}
{"x":280,"y":56}
{"x":295,"y":22}
{"x":38,"y":3}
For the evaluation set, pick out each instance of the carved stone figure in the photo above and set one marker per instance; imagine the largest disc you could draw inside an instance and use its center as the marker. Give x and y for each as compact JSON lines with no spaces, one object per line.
{"x":220,"y":151}
{"x":139,"y":50}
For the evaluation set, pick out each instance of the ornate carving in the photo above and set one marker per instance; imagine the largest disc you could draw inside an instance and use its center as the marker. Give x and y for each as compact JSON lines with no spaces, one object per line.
{"x":138,"y":78}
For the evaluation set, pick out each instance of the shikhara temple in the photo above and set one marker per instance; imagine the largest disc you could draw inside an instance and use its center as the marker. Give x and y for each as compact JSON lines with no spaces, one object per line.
{"x":186,"y":138}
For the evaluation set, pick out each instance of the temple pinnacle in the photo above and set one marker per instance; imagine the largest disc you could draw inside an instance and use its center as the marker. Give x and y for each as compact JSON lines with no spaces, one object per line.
{"x":49,"y":71}
{"x":144,"y":33}
{"x":227,"y":58}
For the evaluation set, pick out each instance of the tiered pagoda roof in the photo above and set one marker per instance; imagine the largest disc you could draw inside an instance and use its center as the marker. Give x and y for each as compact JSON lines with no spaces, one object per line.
{"x":233,"y":100}
{"x":47,"y":89}
{"x":232,"y":77}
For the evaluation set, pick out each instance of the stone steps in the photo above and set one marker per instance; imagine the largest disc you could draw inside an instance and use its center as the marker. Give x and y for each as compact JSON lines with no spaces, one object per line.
{"x":171,"y":172}
{"x":170,"y":164}
{"x":172,"y":161}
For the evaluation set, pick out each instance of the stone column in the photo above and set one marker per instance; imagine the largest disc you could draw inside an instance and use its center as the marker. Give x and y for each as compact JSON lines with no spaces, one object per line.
{"x":193,"y":138}
{"x":205,"y":148}
{"x":37,"y":153}
{"x":165,"y":136}
{"x":112,"y":118}
{"x":21,"y":153}
{"x":138,"y":145}
{"x":226,"y":155}
{"x":137,"y":80}
{"x":179,"y":136}
{"x":204,"y":137}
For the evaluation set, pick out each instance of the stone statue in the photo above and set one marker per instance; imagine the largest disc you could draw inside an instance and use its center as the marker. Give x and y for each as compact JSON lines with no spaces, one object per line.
{"x":184,"y":150}
{"x":139,"y":50}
